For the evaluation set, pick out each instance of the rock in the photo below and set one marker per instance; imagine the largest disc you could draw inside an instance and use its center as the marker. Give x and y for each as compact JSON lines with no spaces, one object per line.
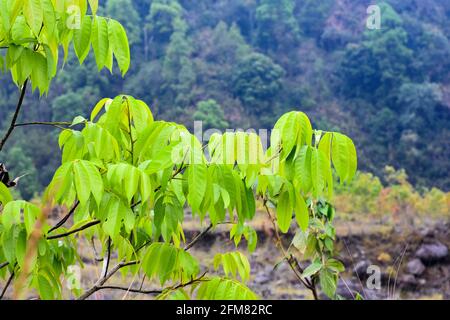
{"x":430,"y":253}
{"x":415,"y":267}
{"x":408,"y":281}
{"x":360,"y":268}
{"x":262,"y":278}
{"x":266,"y":294}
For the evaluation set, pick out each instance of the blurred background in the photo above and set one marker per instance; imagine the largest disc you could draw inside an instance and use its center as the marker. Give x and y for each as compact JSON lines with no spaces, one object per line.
{"x":243,"y":63}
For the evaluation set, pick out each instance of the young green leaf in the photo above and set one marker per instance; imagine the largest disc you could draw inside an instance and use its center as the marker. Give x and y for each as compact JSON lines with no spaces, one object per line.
{"x":119,"y":44}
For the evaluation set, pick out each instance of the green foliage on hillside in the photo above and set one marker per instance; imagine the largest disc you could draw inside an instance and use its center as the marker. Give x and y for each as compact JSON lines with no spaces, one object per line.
{"x":259,"y":59}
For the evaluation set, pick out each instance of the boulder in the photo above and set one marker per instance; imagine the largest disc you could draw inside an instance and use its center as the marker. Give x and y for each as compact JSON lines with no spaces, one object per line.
{"x":407,"y":281}
{"x":433,"y":252}
{"x":415,"y":267}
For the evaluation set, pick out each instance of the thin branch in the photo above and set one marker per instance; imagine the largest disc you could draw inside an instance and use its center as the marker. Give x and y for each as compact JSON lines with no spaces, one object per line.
{"x":197,"y":238}
{"x":8,"y":283}
{"x":308,"y":284}
{"x":181,"y":285}
{"x":130,"y":290}
{"x":107,"y":258}
{"x":98,"y":285}
{"x":4,"y":264}
{"x":65,"y":218}
{"x":16,"y":114}
{"x":42,"y":123}
{"x":96,"y":256}
{"x":62,"y":235}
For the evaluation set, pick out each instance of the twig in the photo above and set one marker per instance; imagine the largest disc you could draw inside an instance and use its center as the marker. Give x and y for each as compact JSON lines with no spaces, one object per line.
{"x":181,"y":285}
{"x":8,"y":283}
{"x":20,"y":102}
{"x":130,"y":290}
{"x":16,"y":114}
{"x":197,"y":238}
{"x":4,"y":264}
{"x":98,"y":285}
{"x":107,"y":258}
{"x":58,"y":125}
{"x":65,"y":218}
{"x":62,"y":235}
{"x":308,"y":284}
{"x":96,"y":257}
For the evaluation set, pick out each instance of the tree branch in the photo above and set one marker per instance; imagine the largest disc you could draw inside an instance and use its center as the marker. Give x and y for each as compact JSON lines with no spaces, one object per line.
{"x":62,"y":235}
{"x":197,"y":238}
{"x":129,"y":289}
{"x":65,"y":218}
{"x":15,"y":116}
{"x":4,"y":264}
{"x":107,"y":258}
{"x":98,"y":285}
{"x":181,"y":285}
{"x":42,"y":123}
{"x":8,"y":283}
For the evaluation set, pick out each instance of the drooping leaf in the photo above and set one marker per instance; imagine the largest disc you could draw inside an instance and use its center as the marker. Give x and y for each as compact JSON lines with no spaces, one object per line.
{"x":119,"y":44}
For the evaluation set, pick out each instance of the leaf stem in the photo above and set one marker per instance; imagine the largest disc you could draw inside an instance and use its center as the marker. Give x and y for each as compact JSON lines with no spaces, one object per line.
{"x":293,"y":263}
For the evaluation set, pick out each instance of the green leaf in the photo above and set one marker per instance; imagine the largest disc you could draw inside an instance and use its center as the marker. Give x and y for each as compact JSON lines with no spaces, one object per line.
{"x":285,"y":133}
{"x":302,"y":169}
{"x":21,"y":247}
{"x":32,"y":10}
{"x":100,"y":42}
{"x":301,"y":212}
{"x":82,"y":38}
{"x":284,"y":212}
{"x":5,"y":195}
{"x":312,"y":269}
{"x":344,"y":157}
{"x":9,"y":239}
{"x":49,"y":16}
{"x":335,"y":265}
{"x":305,"y":131}
{"x":30,"y":216}
{"x":94,"y":6}
{"x":224,"y":289}
{"x":328,"y":283}
{"x":87,"y":181}
{"x":234,"y":263}
{"x":115,"y":216}
{"x":61,"y":185}
{"x":319,"y":170}
{"x":197,"y":185}
{"x":119,"y":44}
{"x":11,"y":214}
{"x":45,"y":288}
{"x":167,"y":262}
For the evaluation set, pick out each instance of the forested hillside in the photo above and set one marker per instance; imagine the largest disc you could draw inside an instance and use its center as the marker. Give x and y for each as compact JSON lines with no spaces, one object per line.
{"x":243,"y":63}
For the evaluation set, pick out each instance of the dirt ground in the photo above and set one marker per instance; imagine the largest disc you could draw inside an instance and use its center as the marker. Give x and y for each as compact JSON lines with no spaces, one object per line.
{"x":380,"y":245}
